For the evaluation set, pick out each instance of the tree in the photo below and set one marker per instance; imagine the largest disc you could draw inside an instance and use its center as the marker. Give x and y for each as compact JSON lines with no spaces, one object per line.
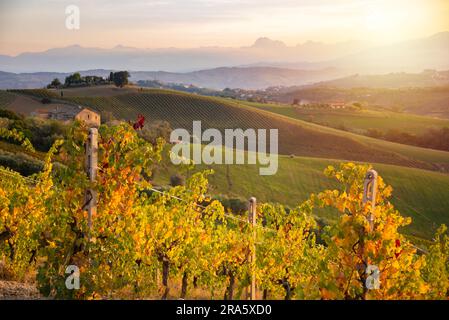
{"x":120,"y":78}
{"x":55,"y":83}
{"x":73,"y":79}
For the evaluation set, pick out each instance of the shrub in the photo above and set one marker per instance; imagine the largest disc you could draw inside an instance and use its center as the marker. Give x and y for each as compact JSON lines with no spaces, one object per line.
{"x":177,"y":180}
{"x":20,"y":162}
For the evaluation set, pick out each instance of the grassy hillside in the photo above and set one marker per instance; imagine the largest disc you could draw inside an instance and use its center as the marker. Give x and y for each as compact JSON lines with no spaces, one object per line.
{"x":295,"y":136}
{"x":420,"y":194}
{"x":431,"y":101}
{"x":360,"y":121}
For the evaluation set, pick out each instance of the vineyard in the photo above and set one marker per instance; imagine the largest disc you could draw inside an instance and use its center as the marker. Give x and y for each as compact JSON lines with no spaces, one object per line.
{"x":5,"y":98}
{"x":418,"y":194}
{"x":143,"y":242}
{"x":180,"y":109}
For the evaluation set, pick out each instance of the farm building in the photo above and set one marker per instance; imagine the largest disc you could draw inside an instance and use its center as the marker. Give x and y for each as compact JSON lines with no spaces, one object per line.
{"x":69,"y":113}
{"x":338,"y":105}
{"x":90,"y":117}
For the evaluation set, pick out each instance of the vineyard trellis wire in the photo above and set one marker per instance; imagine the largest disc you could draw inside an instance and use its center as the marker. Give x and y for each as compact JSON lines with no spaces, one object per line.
{"x":88,"y":201}
{"x":227,"y":214}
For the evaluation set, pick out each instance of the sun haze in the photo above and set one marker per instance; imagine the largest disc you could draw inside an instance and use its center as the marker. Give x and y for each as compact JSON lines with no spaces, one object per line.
{"x":39,"y":25}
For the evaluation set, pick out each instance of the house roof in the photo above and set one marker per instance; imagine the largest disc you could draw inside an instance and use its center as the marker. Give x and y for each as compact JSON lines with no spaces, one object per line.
{"x":88,"y":109}
{"x":41,"y":111}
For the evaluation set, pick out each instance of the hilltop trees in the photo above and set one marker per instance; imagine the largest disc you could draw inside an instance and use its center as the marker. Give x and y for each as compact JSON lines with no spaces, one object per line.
{"x":120,"y":78}
{"x":75,"y":80}
{"x":54,"y":84}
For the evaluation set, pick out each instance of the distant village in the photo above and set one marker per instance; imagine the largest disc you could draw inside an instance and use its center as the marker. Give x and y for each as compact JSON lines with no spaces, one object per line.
{"x":268,"y":95}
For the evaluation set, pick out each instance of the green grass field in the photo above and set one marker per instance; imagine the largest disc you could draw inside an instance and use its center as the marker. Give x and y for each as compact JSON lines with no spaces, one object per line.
{"x":360,"y":121}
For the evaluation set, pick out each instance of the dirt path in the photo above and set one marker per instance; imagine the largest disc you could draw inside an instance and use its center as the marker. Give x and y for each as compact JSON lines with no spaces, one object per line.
{"x":12,"y":290}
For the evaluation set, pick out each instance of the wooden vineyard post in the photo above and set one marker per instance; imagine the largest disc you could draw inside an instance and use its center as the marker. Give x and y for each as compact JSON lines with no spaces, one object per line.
{"x":369,"y":194}
{"x":252,"y":220}
{"x":91,"y":170}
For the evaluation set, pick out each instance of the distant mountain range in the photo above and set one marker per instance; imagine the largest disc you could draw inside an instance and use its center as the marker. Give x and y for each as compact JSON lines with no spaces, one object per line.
{"x":266,"y":63}
{"x":427,"y":78}
{"x":76,"y":57}
{"x":247,"y":78}
{"x":352,"y":57}
{"x":218,"y":78}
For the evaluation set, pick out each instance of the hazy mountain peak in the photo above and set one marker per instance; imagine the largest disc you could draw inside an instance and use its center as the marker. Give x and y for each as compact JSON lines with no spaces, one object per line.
{"x":268,"y":43}
{"x":122,"y":47}
{"x":412,"y":56}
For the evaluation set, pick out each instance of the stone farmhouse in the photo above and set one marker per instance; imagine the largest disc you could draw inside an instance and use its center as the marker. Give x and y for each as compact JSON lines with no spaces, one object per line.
{"x":70,"y":113}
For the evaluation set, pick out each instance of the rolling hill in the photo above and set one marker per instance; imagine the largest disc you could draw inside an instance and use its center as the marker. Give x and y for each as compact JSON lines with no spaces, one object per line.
{"x":420,"y":194}
{"x":295,"y":136}
{"x":429,"y":101}
{"x":359,"y":121}
{"x":256,"y":77}
{"x":428,"y":78}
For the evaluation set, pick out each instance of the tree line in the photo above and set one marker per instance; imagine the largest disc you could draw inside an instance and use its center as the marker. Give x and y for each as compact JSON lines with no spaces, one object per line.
{"x":119,"y":79}
{"x":433,"y":138}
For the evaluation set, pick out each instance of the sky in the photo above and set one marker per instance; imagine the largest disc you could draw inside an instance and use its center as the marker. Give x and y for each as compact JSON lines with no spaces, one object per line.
{"x":37,"y":25}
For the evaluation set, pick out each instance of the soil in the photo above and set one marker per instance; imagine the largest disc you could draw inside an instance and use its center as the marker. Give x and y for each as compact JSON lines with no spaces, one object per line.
{"x":12,"y":290}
